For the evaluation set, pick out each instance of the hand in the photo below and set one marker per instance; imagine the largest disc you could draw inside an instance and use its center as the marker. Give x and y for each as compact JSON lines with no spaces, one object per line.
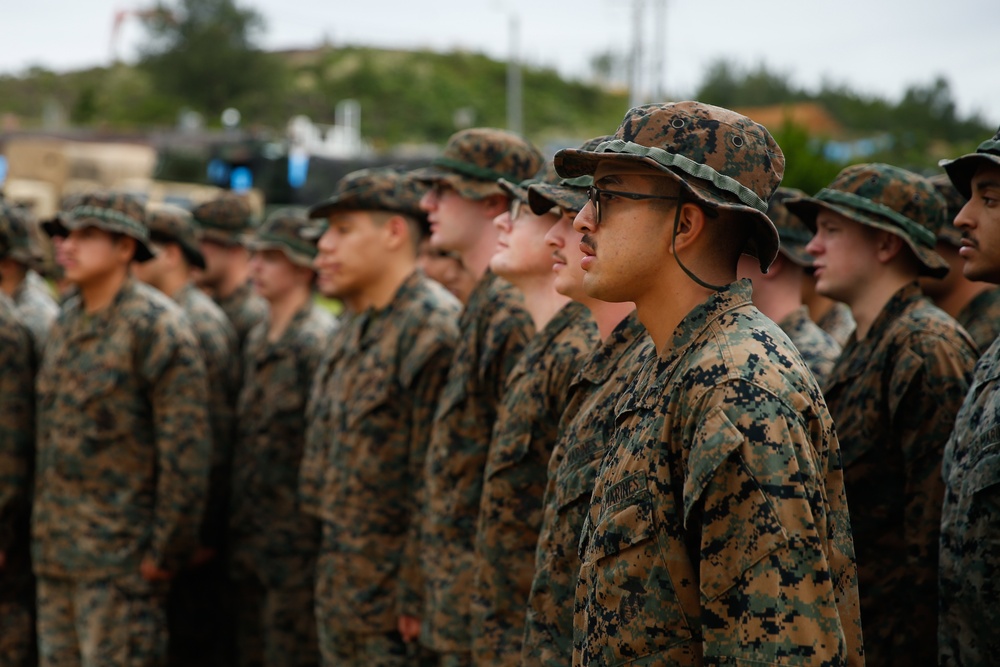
{"x":202,"y":556}
{"x":151,"y":572}
{"x":409,"y":628}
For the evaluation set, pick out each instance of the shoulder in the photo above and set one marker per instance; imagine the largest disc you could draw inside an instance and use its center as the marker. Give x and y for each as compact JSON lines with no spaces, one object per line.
{"x":926,"y":329}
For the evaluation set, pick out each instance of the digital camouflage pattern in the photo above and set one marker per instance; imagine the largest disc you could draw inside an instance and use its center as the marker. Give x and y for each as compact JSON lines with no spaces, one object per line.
{"x":569,"y":194}
{"x":368,"y":650}
{"x":113,"y":212}
{"x":969,"y":588}
{"x":493,"y":331}
{"x":245,"y":309}
{"x":474,"y":160}
{"x":17,"y":442}
{"x":17,"y":242}
{"x":961,"y":170}
{"x":173,"y":224}
{"x":981,"y":318}
{"x":283,"y":230}
{"x":381,"y":189}
{"x":225,"y":219}
{"x":818,"y":348}
{"x":839,"y":323}
{"x":510,"y":511}
{"x":954,"y":201}
{"x":793,"y":234}
{"x":888,"y":198}
{"x":123,"y":440}
{"x":894,"y":396}
{"x":718,"y":531}
{"x":36,"y":308}
{"x":107,"y":621}
{"x":585,"y":432}
{"x":718,"y":157}
{"x":272,"y":544}
{"x":381,"y":390}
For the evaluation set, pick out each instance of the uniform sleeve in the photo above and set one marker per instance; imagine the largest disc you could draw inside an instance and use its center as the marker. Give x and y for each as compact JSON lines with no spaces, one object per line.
{"x":314,"y":451}
{"x":179,"y":397}
{"x":219,"y":354}
{"x":16,"y":429}
{"x":754,"y":504}
{"x":427,"y":386}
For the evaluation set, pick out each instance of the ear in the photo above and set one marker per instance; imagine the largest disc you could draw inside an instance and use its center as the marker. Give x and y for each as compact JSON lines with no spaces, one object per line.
{"x":397,"y":232}
{"x":172,"y":254}
{"x":779,"y":264}
{"x":126,"y":248}
{"x":888,"y":246}
{"x":690,"y":227}
{"x":494,"y":205}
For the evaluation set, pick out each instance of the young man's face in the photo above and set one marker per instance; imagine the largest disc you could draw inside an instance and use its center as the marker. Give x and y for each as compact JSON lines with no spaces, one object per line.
{"x":274,"y":276}
{"x":445,"y":268}
{"x":454,"y":220}
{"x":845,"y":253}
{"x":625,"y":251}
{"x":350,"y":256}
{"x":217,"y":259}
{"x":979,"y":221}
{"x":521,"y":248}
{"x":90,"y":254}
{"x":564,"y":244}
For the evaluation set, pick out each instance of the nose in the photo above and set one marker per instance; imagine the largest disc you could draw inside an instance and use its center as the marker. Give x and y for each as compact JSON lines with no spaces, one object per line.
{"x":429,"y":201}
{"x":584,"y":222}
{"x":502,"y":221}
{"x":815,"y":246}
{"x":966,"y":218}
{"x":556,"y":236}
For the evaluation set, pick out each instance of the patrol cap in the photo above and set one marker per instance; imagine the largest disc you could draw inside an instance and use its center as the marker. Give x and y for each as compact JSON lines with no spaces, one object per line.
{"x":719,"y":158}
{"x":379,"y":189}
{"x":793,"y":234}
{"x":547,"y":174}
{"x":475,"y":160}
{"x":569,"y":194}
{"x":887,"y":198}
{"x":224,"y":220}
{"x":283,"y":230}
{"x":954,"y":201}
{"x":961,"y":170}
{"x":173,"y":224}
{"x":114,"y":212}
{"x":17,"y":236}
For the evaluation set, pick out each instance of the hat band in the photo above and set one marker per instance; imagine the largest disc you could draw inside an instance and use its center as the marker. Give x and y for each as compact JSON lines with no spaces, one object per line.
{"x":472,"y":171}
{"x":210,"y":224}
{"x":794,"y":236}
{"x":923,"y":236}
{"x":578,"y":182}
{"x":989,"y":146}
{"x":109,"y":215}
{"x":688,"y":166}
{"x":295,"y":245}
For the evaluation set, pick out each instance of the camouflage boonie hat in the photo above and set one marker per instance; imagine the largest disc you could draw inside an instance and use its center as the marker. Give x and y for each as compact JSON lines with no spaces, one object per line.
{"x":569,"y":194}
{"x":282,"y":230}
{"x":719,"y":158}
{"x":172,"y":224}
{"x":383,"y":189}
{"x":225,"y":219}
{"x":115,"y":212}
{"x":792,"y":232}
{"x":474,"y":161}
{"x":887,"y":198}
{"x":547,"y":174}
{"x":17,"y":236}
{"x":961,"y":170}
{"x":954,"y":202}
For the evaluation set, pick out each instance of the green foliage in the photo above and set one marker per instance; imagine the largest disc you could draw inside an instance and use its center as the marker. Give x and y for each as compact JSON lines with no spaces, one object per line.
{"x":805,"y":166}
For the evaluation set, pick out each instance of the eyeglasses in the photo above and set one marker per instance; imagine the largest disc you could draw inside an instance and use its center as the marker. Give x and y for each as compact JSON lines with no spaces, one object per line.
{"x":595,"y":193}
{"x":517,"y":207}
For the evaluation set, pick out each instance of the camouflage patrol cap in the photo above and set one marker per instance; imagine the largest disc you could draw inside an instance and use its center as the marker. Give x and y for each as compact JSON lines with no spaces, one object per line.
{"x":115,"y":212}
{"x":17,"y":236}
{"x":792,"y":232}
{"x":719,"y":157}
{"x":381,"y":189}
{"x":283,"y":230}
{"x":475,"y":160}
{"x":225,"y":219}
{"x":887,"y":198}
{"x":172,"y":224}
{"x":569,"y":194}
{"x":962,"y":169}
{"x":547,"y":174}
{"x":954,"y":201}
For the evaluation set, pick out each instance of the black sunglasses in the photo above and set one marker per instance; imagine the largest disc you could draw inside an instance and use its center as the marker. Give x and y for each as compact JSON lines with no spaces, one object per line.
{"x":595,"y":193}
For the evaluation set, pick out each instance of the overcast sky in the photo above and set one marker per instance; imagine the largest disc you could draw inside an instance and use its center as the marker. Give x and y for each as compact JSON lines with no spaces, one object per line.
{"x":875,"y":46}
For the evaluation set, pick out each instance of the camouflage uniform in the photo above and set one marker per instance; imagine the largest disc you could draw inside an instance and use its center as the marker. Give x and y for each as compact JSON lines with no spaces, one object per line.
{"x":494,"y":329}
{"x":17,"y":428}
{"x":510,"y":511}
{"x":227,"y":220}
{"x":818,"y":348}
{"x":34,"y":303}
{"x":198,"y":606}
{"x":839,"y":323}
{"x":981,"y":318}
{"x":894,"y":395}
{"x":968,"y":581}
{"x":718,"y":530}
{"x":585,"y":431}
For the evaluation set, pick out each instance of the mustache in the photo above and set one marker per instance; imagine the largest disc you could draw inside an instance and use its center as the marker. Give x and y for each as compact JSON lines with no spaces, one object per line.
{"x":589,"y":241}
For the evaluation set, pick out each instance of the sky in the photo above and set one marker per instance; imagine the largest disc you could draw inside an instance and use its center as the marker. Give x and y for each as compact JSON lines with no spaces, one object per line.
{"x":877,"y":47}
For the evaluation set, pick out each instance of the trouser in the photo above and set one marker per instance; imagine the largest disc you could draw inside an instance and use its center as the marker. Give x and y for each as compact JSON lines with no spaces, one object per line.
{"x":115,"y":622}
{"x":276,"y":625}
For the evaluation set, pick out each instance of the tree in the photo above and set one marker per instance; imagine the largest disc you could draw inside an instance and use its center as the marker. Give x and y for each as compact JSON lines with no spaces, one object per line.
{"x":204,"y":53}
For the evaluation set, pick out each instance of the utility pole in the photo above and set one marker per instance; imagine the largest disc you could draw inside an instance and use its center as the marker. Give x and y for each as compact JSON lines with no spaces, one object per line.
{"x":515,"y":121}
{"x":660,"y":69}
{"x":635,"y":88}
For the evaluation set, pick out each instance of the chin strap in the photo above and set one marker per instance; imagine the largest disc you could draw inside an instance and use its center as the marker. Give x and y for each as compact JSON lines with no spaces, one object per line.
{"x":673,"y":247}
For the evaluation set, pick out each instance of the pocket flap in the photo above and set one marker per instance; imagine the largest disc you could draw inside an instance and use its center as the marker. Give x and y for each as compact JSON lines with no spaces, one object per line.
{"x":985,"y":474}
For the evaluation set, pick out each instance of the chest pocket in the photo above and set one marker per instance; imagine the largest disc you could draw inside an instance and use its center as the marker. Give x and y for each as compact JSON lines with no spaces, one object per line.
{"x":630,"y":607}
{"x":577,"y":483}
{"x":983,"y":477}
{"x":507,"y":453}
{"x":366,"y":401}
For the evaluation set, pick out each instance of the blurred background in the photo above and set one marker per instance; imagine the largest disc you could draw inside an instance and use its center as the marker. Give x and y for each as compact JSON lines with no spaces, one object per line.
{"x":176,"y":99}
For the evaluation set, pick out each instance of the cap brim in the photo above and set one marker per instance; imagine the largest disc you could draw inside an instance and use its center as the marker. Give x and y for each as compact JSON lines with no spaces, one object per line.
{"x":543,"y":196}
{"x":807,"y":208}
{"x":469,"y":188}
{"x":60,"y":227}
{"x":294,"y":257}
{"x":962,"y":169}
